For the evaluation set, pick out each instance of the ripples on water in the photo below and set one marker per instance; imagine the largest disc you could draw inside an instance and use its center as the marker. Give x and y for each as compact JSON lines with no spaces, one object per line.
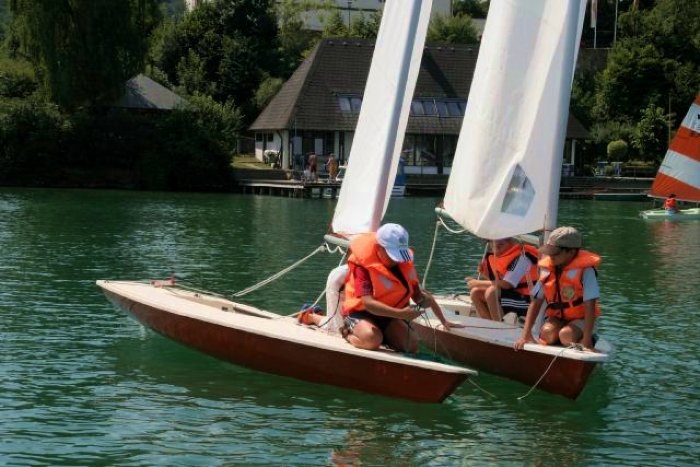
{"x":80,"y":383}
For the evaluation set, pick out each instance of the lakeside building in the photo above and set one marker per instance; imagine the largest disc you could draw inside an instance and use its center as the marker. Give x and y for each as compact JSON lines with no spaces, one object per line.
{"x":317,"y":108}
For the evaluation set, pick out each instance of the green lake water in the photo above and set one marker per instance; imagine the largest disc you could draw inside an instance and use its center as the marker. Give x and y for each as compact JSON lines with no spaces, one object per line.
{"x":81,"y":383}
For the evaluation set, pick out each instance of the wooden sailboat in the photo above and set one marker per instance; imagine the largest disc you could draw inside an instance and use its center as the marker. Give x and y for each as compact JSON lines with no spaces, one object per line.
{"x":679,"y":172}
{"x":505,"y":178}
{"x":268,"y":342}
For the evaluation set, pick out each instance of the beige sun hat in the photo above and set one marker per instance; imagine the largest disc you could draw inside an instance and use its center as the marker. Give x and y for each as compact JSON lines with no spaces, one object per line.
{"x":562,"y":237}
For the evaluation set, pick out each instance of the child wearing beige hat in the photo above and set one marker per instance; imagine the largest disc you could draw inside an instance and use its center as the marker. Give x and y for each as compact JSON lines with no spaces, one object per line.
{"x":569,"y":286}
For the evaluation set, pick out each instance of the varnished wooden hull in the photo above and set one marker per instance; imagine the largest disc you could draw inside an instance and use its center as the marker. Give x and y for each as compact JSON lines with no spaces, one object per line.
{"x":566,"y":377}
{"x":388,"y":375}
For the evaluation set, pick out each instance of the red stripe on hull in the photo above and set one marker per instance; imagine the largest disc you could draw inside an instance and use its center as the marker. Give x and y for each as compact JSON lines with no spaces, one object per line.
{"x":296,"y":360}
{"x":687,"y":142}
{"x":664,"y":185}
{"x":566,"y":377}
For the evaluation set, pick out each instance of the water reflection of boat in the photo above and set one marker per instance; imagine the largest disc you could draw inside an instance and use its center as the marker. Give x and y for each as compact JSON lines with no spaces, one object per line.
{"x":519,"y":100}
{"x":679,"y":173}
{"x":265,"y":341}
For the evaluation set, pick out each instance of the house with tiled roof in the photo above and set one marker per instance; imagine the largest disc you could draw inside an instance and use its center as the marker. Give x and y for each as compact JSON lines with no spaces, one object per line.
{"x":317,"y":108}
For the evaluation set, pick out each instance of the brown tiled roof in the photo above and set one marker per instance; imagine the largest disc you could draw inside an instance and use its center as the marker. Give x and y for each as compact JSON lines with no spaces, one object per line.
{"x":336,"y":67}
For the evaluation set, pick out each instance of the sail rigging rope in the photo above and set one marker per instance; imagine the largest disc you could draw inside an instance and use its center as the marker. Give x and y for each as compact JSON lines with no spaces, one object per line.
{"x":281,"y":273}
{"x":432,"y":251}
{"x":546,"y":371}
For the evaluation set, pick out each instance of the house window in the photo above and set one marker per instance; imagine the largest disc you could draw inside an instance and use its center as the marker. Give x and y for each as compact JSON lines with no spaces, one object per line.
{"x":258,"y":137}
{"x":453,"y":109}
{"x":442,"y":109}
{"x":349,"y":103}
{"x":429,"y":107}
{"x":344,"y":103}
{"x":270,"y":137}
{"x":417,"y":108}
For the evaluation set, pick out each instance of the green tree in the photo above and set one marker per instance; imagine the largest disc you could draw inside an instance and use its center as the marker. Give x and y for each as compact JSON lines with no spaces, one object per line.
{"x":173,"y":8}
{"x":224,"y":122}
{"x":83,"y":51}
{"x":650,"y":135}
{"x":454,"y":29}
{"x":617,"y":150}
{"x":269,"y":87}
{"x":365,"y":27}
{"x":656,"y":61}
{"x":655,"y":64}
{"x":635,"y":75}
{"x":334,"y":25}
{"x":3,"y":20}
{"x":294,"y":39}
{"x":17,"y":80}
{"x":222,"y":49}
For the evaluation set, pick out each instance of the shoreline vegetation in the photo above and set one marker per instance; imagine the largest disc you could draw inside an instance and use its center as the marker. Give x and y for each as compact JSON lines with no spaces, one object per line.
{"x":59,"y":126}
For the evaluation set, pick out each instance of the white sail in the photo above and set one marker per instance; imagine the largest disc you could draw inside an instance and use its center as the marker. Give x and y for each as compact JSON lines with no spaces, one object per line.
{"x":379,"y":135}
{"x":505,"y":176}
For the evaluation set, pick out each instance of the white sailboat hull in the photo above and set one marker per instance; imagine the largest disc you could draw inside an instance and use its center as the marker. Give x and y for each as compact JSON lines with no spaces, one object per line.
{"x":488,"y":346}
{"x":661,"y":214}
{"x":276,"y":344}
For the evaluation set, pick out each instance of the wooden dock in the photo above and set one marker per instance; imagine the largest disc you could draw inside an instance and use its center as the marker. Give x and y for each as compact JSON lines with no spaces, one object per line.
{"x":278,"y":183}
{"x":290,"y":188}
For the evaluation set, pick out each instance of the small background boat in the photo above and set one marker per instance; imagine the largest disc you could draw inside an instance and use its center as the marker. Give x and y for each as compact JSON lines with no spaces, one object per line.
{"x":679,"y":173}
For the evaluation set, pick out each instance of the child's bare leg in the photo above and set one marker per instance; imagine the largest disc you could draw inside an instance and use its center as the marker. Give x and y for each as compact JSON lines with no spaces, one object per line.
{"x":492,"y":303}
{"x":569,"y":334}
{"x":479,"y":301}
{"x":549,"y":334}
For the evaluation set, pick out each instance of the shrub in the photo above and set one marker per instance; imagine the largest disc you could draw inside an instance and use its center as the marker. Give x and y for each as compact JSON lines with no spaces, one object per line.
{"x":31,"y":134}
{"x":16,"y":79}
{"x":617,"y":150}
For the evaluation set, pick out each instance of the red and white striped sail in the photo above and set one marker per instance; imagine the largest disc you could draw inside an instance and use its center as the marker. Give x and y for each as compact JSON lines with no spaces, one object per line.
{"x":679,"y":173}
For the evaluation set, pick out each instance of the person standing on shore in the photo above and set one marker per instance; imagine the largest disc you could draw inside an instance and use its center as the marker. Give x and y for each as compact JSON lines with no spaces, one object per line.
{"x":332,"y":167}
{"x":313,"y":167}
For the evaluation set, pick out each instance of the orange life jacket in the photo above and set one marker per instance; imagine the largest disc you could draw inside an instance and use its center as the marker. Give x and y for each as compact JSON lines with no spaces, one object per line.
{"x":670,"y":203}
{"x":387,"y":288}
{"x":564,"y":291}
{"x":501,"y":264}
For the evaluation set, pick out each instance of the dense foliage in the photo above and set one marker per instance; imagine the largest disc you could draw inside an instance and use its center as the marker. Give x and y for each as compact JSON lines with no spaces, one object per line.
{"x":176,"y":151}
{"x":83,"y":51}
{"x":473,"y":8}
{"x":651,"y":77}
{"x":457,"y":29}
{"x":63,"y":62}
{"x":221,"y":49}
